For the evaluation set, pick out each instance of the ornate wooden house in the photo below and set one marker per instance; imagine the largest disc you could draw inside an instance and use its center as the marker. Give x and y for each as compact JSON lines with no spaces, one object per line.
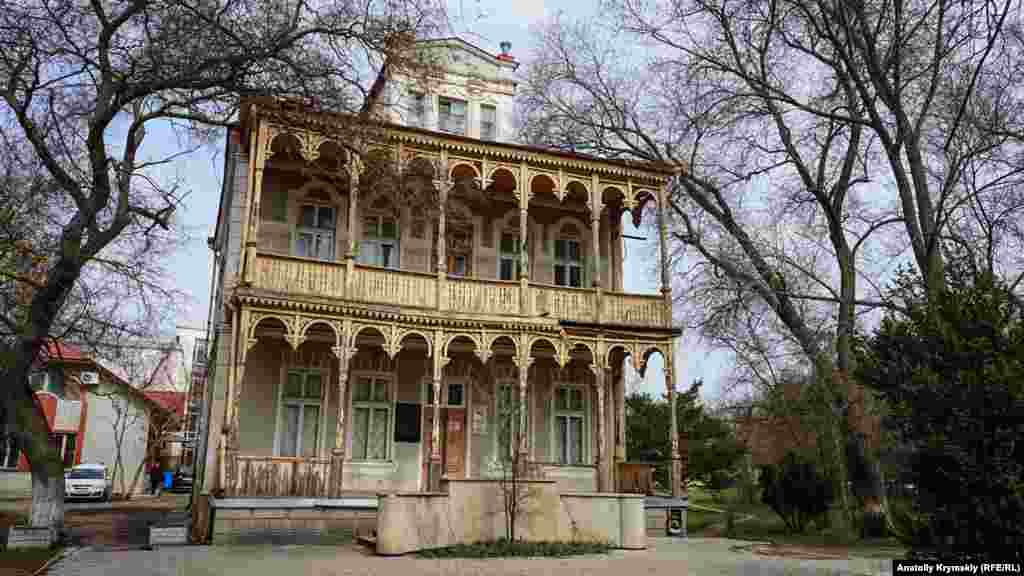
{"x":419,"y":300}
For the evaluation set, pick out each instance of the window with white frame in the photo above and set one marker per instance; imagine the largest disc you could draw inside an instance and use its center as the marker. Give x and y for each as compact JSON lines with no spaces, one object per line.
{"x":451,"y":115}
{"x":419,"y":110}
{"x":314,"y":235}
{"x":570,"y":414}
{"x":508,"y":410}
{"x":299,"y":416}
{"x":568,"y":259}
{"x":488,"y":122}
{"x":380,"y":242}
{"x":508,"y":258}
{"x":371,"y":416}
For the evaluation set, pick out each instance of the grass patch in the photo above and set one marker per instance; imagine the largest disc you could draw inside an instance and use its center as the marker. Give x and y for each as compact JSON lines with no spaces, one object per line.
{"x":25,"y":561}
{"x":515,"y":548}
{"x":697,"y":520}
{"x":10,"y":518}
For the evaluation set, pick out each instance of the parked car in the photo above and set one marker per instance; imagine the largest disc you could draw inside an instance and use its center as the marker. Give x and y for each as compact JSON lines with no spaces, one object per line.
{"x":88,"y":481}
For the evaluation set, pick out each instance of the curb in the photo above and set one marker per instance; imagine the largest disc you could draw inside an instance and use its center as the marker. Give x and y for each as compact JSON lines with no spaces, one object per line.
{"x":65,"y":553}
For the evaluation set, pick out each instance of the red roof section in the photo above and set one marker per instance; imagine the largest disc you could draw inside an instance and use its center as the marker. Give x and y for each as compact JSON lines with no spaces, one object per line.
{"x":70,"y":352}
{"x":168,"y":400}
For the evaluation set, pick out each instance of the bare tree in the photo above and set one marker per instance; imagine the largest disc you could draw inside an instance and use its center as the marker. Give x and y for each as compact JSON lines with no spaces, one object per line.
{"x":83,"y":83}
{"x":805,"y":133}
{"x":513,"y":467}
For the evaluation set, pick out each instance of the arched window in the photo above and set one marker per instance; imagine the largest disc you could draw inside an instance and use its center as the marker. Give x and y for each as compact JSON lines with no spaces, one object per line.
{"x":569,"y":262}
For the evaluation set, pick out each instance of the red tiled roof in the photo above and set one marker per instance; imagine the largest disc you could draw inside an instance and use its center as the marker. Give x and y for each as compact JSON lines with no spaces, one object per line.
{"x":69,"y":352}
{"x":168,"y":400}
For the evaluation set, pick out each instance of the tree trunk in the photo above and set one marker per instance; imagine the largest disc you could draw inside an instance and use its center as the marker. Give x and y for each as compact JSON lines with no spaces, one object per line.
{"x":47,"y":499}
{"x":135,"y":477}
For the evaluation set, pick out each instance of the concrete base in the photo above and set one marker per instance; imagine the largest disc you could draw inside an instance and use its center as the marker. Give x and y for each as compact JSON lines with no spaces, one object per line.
{"x":283,"y":522}
{"x":168,"y":535}
{"x":28,"y":537}
{"x":471,"y":511}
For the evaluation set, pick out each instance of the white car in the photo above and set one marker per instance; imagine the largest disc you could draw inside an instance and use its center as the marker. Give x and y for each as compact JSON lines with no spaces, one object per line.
{"x":87,"y":481}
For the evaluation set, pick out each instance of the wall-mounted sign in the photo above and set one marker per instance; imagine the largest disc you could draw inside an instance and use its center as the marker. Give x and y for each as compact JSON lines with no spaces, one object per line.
{"x":479,"y":419}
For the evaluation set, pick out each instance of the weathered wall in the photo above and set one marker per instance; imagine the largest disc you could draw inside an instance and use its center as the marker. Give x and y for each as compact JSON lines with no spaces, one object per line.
{"x":471,"y":511}
{"x":15,"y":484}
{"x":291,"y":526}
{"x":100,"y":442}
{"x":258,"y":398}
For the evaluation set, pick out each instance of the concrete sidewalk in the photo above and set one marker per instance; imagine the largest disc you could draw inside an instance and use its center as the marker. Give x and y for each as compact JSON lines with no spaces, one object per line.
{"x":703,"y":556}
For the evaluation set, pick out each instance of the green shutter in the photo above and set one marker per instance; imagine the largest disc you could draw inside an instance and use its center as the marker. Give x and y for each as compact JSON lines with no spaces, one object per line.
{"x":279,"y":206}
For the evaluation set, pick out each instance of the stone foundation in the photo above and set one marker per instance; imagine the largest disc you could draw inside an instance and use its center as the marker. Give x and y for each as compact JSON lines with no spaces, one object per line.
{"x":27,"y":537}
{"x":295,"y":522}
{"x":471,"y":511}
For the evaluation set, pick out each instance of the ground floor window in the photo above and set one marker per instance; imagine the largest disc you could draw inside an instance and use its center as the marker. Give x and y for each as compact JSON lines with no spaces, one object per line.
{"x":570,"y":424}
{"x":371,"y":417}
{"x":299,"y":420}
{"x":508,"y":412}
{"x":64,"y":445}
{"x":8,"y":452}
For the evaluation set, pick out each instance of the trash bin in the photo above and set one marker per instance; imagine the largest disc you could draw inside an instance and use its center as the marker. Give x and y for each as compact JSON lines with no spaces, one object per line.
{"x":168,"y":479}
{"x":676,"y":522}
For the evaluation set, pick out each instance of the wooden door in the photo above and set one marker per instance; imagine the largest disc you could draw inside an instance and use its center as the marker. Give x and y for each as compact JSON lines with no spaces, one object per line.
{"x":455,"y":442}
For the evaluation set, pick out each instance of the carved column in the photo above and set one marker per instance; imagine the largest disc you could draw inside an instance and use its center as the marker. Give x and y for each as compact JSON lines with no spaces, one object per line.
{"x":254,"y":213}
{"x":440,"y":361}
{"x":673,"y":429}
{"x":355,"y":169}
{"x":523,"y":447}
{"x":620,"y":415}
{"x":344,"y":354}
{"x":242,"y":345}
{"x":666,"y":286}
{"x":523,"y":197}
{"x":443,"y":187}
{"x":601,"y":458}
{"x":596,"y":207}
{"x":225,"y":424}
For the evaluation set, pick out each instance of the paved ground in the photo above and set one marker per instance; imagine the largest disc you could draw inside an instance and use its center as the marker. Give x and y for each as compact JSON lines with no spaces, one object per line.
{"x":114,"y":525}
{"x":703,"y":556}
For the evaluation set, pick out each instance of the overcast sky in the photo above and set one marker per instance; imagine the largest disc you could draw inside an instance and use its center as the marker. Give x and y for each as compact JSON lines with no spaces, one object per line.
{"x":484,"y":23}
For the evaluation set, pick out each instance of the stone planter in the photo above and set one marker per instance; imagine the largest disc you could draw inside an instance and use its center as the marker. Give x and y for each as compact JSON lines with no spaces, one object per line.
{"x":29,"y":537}
{"x":168,"y":535}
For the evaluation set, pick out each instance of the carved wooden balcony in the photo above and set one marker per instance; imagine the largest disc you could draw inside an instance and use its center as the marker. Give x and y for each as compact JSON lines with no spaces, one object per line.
{"x":299,"y":277}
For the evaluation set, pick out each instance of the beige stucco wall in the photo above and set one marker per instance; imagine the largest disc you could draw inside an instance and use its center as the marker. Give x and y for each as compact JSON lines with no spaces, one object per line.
{"x":264,"y":373}
{"x":471,"y":511}
{"x":258,"y":416}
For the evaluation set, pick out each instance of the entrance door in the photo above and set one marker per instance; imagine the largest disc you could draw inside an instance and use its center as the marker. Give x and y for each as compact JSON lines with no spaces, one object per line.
{"x":453,"y":441}
{"x":454,"y":456}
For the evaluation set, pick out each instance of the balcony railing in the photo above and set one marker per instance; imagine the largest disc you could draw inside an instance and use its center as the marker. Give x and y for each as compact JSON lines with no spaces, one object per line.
{"x":382,"y":286}
{"x":272,"y":476}
{"x":483,"y":296}
{"x":300,"y":276}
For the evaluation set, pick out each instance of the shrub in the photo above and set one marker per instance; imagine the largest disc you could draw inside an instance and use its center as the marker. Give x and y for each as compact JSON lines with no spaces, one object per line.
{"x":796,"y":491}
{"x":952,"y":373}
{"x":516,"y":548}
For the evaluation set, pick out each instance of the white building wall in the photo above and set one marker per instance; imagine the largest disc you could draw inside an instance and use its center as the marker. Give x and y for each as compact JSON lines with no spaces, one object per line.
{"x":469,"y":75}
{"x":100,"y":445}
